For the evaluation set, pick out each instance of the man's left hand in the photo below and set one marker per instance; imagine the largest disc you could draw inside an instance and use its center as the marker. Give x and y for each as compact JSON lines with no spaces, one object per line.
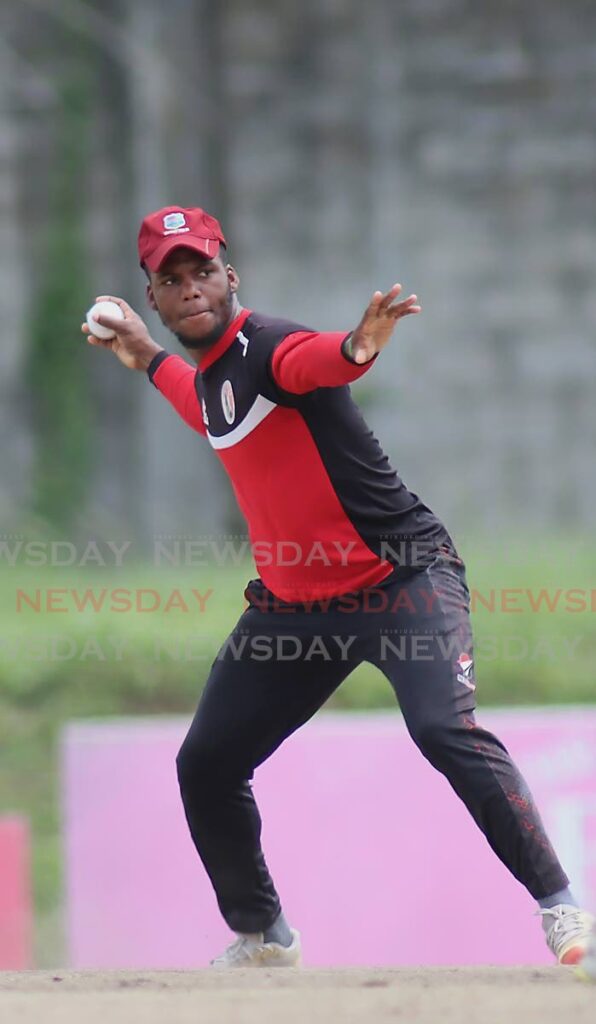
{"x":378,"y":323}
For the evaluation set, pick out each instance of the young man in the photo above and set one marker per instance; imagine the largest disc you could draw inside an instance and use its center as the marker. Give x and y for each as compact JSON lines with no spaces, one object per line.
{"x":350,"y":561}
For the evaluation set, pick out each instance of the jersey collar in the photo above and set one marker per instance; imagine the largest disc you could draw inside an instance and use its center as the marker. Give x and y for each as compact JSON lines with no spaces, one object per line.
{"x":223,"y":343}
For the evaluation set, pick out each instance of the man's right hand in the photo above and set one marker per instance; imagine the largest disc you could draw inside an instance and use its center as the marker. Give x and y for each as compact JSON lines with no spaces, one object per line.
{"x":133,"y":344}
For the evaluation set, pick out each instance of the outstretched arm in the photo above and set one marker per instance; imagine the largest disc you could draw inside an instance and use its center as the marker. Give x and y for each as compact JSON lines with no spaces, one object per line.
{"x":307,"y":360}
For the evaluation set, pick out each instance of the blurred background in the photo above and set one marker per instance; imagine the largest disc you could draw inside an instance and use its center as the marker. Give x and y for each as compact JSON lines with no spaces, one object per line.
{"x":343,"y":146}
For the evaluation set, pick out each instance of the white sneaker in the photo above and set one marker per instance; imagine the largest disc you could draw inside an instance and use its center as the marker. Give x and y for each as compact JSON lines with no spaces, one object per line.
{"x":570,"y":932}
{"x":253,"y":951}
{"x":587,"y":967}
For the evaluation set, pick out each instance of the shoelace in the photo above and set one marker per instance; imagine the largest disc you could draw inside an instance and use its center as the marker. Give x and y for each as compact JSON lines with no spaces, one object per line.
{"x":567,"y":925}
{"x":237,"y":949}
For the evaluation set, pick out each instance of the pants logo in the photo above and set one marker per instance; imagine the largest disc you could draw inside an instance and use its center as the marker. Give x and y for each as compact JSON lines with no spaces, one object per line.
{"x":464,"y":663}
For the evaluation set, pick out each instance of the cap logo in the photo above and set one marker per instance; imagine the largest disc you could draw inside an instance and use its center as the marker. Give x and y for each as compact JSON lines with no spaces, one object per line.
{"x":174,"y":221}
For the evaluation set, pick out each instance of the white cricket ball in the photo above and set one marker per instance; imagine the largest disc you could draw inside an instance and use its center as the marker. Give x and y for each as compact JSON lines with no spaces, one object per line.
{"x":105,"y":308}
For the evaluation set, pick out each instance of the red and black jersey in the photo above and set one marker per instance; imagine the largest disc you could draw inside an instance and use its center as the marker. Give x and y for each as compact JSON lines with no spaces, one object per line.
{"x":326,"y":513}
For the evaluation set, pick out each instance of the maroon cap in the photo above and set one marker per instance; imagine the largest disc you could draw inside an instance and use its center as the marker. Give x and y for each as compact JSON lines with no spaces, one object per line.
{"x":173,"y":227}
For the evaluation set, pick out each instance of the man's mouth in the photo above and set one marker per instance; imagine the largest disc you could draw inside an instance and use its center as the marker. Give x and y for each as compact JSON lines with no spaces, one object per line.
{"x":196,"y":314}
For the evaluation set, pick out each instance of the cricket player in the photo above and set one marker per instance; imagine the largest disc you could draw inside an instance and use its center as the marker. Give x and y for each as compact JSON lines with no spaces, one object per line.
{"x":352,"y":567}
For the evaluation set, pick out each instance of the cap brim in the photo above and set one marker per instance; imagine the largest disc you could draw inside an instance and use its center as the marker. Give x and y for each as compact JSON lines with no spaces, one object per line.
{"x":208,"y":247}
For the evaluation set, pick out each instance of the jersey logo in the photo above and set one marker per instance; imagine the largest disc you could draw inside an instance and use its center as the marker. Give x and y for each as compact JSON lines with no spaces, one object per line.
{"x":227,"y":401}
{"x":204,"y":410}
{"x":244,"y":341}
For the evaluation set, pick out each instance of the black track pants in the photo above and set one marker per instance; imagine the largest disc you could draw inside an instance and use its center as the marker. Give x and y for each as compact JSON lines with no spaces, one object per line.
{"x":282,"y":662}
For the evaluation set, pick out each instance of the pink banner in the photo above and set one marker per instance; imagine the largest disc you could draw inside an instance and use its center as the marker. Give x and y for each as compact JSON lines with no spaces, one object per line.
{"x":376,"y":860}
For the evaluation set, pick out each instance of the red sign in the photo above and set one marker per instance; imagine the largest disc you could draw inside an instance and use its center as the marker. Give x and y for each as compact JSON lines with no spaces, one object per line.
{"x":15,"y":895}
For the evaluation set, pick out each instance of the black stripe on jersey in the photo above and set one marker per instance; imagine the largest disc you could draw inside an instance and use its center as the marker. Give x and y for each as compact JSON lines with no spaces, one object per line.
{"x":391,"y":520}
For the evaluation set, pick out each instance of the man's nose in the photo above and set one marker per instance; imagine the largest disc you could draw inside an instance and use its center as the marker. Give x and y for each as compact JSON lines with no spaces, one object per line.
{"x":191,"y":287}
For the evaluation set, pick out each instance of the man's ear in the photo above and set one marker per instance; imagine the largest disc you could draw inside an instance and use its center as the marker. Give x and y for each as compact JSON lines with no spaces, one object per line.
{"x":151,"y":298}
{"x":232,"y":278}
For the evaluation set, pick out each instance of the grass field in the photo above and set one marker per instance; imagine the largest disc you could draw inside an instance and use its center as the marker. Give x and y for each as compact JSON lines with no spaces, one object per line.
{"x":426,"y":996}
{"x":61,"y":664}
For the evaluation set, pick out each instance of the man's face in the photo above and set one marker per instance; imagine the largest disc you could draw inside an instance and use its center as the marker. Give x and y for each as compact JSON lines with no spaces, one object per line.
{"x":194,"y":296}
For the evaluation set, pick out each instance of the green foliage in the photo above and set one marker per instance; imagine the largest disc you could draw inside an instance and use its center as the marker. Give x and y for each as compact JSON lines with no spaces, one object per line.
{"x":56,"y":366}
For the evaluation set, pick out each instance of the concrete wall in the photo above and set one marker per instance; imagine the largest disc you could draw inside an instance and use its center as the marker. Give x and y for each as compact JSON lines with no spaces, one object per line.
{"x":444,"y":143}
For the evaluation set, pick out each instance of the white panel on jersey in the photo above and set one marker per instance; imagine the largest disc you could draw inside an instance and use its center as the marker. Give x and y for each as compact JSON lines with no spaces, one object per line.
{"x":260,"y":408}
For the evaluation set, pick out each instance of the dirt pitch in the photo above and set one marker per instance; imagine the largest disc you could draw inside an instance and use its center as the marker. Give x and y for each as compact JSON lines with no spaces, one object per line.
{"x":468,"y":995}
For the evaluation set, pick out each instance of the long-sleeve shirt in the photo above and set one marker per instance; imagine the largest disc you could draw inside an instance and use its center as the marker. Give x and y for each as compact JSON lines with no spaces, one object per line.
{"x":326,"y":513}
